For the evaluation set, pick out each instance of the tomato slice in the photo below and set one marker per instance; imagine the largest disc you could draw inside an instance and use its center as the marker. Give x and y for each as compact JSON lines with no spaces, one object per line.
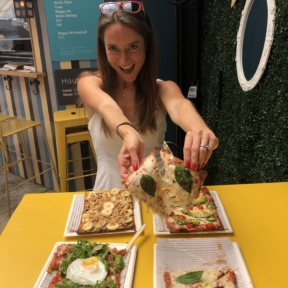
{"x":190,"y":226}
{"x":209,"y":226}
{"x":205,"y":190}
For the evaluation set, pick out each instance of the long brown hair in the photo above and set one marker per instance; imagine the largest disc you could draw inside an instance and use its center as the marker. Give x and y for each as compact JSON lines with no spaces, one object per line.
{"x":146,"y":99}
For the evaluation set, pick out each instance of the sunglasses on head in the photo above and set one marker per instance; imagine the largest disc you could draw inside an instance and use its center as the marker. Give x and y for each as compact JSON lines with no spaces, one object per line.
{"x":128,"y":6}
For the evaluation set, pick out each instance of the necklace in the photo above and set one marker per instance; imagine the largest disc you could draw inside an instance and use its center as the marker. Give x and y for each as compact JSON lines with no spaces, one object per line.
{"x":122,"y":92}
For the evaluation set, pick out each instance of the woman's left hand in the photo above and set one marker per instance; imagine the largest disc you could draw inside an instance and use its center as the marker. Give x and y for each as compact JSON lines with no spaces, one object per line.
{"x":198,"y":148}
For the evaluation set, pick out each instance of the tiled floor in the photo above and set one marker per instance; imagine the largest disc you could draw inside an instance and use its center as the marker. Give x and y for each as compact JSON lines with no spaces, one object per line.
{"x":15,"y":195}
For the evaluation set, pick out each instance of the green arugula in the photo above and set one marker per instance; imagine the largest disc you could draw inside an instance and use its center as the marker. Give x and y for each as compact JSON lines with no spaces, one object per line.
{"x":85,"y":249}
{"x":67,"y":283}
{"x":119,"y":260}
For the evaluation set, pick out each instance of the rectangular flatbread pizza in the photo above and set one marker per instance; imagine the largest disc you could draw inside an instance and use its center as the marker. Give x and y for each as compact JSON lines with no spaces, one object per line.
{"x":208,"y":278}
{"x":107,"y":211}
{"x":186,"y":205}
{"x":201,"y":216}
{"x":147,"y":182}
{"x":86,"y":264}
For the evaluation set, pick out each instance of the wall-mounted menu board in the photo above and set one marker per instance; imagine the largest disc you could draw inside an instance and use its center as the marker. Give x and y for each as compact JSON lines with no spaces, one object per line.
{"x":66,"y":85}
{"x":72,"y":29}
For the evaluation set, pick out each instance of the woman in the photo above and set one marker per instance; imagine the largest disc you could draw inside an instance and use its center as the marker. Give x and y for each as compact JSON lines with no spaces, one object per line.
{"x":126,"y":104}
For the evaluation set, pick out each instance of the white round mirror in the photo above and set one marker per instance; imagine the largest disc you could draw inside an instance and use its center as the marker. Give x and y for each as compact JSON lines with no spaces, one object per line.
{"x":254,"y":41}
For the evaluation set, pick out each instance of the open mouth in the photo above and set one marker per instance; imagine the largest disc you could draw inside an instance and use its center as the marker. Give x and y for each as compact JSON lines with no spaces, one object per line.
{"x":127,"y":69}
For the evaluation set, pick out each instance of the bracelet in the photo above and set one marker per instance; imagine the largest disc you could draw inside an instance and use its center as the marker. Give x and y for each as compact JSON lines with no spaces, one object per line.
{"x":123,"y":123}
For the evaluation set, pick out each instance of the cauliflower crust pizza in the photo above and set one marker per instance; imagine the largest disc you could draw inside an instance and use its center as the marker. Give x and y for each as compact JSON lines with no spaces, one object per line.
{"x":186,"y":205}
{"x":107,"y":211}
{"x":201,"y":216}
{"x":208,"y":278}
{"x":146,"y":184}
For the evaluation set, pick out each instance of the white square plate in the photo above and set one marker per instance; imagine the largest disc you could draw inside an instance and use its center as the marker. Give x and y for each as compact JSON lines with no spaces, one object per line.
{"x":75,"y":213}
{"x":126,"y":274}
{"x":160,"y":227}
{"x":196,"y":253}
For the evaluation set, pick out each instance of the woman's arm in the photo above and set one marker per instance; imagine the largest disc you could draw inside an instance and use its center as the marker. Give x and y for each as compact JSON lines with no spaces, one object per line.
{"x":184,"y":114}
{"x":95,"y":99}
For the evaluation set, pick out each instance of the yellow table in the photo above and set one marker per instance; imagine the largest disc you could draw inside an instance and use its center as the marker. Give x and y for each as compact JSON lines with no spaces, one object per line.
{"x":257,"y":213}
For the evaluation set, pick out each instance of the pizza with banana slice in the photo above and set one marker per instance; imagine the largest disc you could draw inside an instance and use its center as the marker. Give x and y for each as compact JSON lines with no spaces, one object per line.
{"x":107,"y":211}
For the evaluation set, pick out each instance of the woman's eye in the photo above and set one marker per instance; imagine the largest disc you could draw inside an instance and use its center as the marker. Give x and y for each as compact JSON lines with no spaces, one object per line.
{"x":112,"y":49}
{"x":133,"y":47}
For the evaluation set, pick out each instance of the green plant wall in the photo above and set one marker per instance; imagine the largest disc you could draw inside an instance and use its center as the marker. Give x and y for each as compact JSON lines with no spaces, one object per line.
{"x":252,"y":126}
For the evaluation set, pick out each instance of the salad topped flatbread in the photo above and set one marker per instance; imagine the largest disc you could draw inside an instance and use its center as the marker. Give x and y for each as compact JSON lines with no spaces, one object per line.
{"x":86,"y":264}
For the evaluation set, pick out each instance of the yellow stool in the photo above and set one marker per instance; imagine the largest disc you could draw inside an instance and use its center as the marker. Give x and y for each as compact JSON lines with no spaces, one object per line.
{"x":71,"y":127}
{"x":17,"y":126}
{"x":4,"y":117}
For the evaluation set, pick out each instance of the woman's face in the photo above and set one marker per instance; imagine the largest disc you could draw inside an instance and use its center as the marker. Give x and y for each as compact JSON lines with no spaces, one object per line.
{"x":125,"y":50}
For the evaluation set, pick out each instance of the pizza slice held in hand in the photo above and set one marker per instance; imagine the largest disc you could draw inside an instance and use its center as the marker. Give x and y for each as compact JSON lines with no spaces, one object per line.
{"x":146,"y":184}
{"x":185,"y":183}
{"x":180,"y":177}
{"x":178,"y":196}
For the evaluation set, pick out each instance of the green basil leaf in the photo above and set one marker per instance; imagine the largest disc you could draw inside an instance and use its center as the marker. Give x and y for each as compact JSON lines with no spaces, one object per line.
{"x":189,"y":278}
{"x":148,"y":184}
{"x":184,"y":178}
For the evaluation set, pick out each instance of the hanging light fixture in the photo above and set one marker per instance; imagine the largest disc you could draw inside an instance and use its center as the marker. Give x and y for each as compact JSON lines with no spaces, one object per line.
{"x":24,"y":8}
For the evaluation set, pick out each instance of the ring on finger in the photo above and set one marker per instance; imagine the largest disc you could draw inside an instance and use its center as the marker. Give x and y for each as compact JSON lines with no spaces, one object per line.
{"x":205,"y":146}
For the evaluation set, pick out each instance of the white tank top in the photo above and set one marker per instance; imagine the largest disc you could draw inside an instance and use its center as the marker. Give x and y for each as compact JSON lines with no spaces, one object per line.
{"x":108,"y":148}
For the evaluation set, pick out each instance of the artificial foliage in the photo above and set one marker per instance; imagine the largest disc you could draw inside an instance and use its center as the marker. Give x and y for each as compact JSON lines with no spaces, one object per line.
{"x":252,"y":126}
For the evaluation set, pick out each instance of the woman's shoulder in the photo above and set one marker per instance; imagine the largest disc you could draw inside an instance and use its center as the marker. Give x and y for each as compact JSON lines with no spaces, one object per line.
{"x":163,"y":81}
{"x":164,"y":89}
{"x":89,"y":73}
{"x":88,"y":76}
{"x":166,"y":85}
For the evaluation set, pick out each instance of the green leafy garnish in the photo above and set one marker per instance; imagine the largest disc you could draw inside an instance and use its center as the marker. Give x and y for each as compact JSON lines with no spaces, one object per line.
{"x":148,"y":184}
{"x":119,"y":261}
{"x":184,"y":178}
{"x":67,"y":283}
{"x":189,"y":278}
{"x":85,"y":249}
